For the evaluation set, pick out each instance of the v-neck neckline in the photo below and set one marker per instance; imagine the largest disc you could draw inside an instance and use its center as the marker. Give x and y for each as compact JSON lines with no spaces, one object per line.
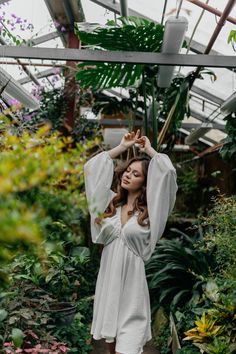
{"x":122,"y":226}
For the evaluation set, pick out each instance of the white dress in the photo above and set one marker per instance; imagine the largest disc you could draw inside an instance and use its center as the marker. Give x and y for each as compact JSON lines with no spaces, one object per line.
{"x":121,"y":304}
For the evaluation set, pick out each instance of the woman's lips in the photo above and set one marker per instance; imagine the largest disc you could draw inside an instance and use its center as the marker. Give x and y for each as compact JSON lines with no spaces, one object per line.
{"x":125,"y":181}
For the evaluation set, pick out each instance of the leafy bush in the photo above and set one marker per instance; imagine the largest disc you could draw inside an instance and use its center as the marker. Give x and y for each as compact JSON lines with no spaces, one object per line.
{"x":41,"y":192}
{"x":214,"y":330}
{"x":176,"y":272}
{"x":219,"y":228}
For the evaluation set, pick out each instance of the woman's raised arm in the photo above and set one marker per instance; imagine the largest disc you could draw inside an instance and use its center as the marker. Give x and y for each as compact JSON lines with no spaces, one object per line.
{"x":127,"y":141}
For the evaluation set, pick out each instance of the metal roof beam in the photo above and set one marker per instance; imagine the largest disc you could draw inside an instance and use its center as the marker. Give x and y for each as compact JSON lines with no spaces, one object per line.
{"x":195,"y":47}
{"x":204,"y":118}
{"x":45,"y":73}
{"x":207,"y":95}
{"x":24,"y":68}
{"x":43,"y":39}
{"x":117,"y":56}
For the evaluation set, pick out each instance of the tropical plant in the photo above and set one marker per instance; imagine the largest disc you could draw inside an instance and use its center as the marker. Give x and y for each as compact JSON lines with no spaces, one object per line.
{"x":205,"y":328}
{"x":215,"y":311}
{"x":135,"y":34}
{"x":176,"y":272}
{"x":126,"y":34}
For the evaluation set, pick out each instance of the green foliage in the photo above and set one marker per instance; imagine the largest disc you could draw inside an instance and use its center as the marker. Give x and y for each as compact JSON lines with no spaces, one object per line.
{"x":232,"y":38}
{"x":37,"y":172}
{"x":66,"y":277}
{"x":190,"y":349}
{"x":161,"y":341}
{"x":52,"y":109}
{"x":187,"y":180}
{"x":220,"y":234}
{"x":77,"y":335}
{"x":176,"y":272}
{"x":228,"y":151}
{"x":215,"y":312}
{"x":178,"y":94}
{"x":131,"y":34}
{"x":84,"y":130}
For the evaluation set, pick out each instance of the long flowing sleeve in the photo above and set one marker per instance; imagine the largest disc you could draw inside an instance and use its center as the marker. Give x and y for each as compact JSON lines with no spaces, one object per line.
{"x":98,"y":176}
{"x":161,"y":194}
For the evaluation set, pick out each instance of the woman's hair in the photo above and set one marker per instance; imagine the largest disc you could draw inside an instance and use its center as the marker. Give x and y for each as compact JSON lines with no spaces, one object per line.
{"x":140,"y":203}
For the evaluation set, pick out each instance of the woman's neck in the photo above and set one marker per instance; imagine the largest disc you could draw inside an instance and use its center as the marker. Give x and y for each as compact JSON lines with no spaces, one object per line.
{"x":131,"y":198}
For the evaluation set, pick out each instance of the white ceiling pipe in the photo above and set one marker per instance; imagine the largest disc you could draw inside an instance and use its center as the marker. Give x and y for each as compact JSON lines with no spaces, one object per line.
{"x":15,"y":90}
{"x":229,"y":106}
{"x":198,"y":133}
{"x":175,"y":29}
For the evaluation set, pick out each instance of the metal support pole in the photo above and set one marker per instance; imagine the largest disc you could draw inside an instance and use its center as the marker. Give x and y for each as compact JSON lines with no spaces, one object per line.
{"x":216,"y":32}
{"x":212,"y":10}
{"x":124,"y":8}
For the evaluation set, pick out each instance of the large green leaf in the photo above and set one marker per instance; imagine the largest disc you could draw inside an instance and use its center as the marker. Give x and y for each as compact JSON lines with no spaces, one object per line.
{"x":3,"y":314}
{"x":107,"y":75}
{"x":132,"y":34}
{"x":17,"y":336}
{"x":129,"y":34}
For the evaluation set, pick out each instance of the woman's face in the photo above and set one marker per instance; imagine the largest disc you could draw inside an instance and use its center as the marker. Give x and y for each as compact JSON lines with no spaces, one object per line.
{"x":133,"y":177}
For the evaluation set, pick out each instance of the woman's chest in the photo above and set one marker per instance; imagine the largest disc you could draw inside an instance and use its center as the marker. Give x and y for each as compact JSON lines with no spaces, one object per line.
{"x":126,"y":224}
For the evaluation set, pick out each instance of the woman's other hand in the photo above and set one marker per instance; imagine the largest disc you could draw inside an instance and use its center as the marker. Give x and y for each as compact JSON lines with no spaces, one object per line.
{"x":145,"y":146}
{"x":129,"y":139}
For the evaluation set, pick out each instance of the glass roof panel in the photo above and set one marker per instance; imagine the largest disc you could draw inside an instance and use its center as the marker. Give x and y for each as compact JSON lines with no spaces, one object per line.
{"x":35,"y":21}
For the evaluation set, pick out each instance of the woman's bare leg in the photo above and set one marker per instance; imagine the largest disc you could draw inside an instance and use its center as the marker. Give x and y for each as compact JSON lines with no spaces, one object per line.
{"x":111,"y":347}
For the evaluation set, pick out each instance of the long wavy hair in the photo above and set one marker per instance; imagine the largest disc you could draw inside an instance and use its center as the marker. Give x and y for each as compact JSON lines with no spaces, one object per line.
{"x":140,"y":203}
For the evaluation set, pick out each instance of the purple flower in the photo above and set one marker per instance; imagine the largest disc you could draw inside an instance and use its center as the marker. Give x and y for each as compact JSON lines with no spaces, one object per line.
{"x":56,"y":24}
{"x":13,"y":15}
{"x":62,"y":29}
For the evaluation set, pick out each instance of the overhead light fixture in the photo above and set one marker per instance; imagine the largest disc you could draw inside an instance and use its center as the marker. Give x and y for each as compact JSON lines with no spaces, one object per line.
{"x":229,"y":106}
{"x":13,"y":89}
{"x":174,"y":33}
{"x":113,"y":136}
{"x":198,"y":133}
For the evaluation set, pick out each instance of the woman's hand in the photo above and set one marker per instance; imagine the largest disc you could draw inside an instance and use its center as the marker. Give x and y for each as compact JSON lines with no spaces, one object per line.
{"x":145,"y":146}
{"x":129,"y":139}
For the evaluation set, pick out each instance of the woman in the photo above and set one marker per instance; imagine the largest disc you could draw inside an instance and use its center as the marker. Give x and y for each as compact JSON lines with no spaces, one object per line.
{"x":128,"y":223}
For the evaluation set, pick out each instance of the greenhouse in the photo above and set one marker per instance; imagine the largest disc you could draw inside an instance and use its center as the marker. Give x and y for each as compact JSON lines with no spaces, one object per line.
{"x":118,"y":176}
